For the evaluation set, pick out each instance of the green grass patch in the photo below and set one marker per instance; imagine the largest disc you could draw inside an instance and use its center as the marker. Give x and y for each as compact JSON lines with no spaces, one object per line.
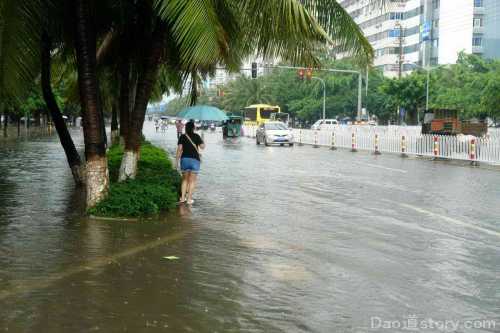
{"x":154,"y":190}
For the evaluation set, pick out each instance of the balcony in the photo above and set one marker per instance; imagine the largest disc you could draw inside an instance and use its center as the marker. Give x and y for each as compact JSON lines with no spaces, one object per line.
{"x":477,"y":49}
{"x":478,"y":30}
{"x":479,"y":11}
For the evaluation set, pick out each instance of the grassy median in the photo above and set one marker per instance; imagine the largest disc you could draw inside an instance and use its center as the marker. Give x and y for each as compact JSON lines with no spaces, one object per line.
{"x":154,"y":190}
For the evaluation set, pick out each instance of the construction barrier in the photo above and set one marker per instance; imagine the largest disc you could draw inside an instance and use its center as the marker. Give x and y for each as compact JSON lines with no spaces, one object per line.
{"x":388,"y":139}
{"x":377,"y":141}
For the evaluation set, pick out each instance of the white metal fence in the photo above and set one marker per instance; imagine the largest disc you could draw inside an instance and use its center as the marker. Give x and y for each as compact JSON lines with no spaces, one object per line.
{"x":401,"y":139}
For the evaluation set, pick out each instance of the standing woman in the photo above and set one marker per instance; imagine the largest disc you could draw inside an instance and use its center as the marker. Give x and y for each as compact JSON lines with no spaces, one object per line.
{"x":188,"y":154}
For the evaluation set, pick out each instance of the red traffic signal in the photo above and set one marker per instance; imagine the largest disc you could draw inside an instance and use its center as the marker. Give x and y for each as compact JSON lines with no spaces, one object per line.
{"x":309,"y":74}
{"x":301,"y":74}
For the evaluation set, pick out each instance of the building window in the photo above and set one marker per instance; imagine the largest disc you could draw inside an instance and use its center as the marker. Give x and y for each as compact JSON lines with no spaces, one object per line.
{"x":395,"y":33}
{"x":477,"y":41}
{"x":478,"y":21}
{"x":478,"y":3}
{"x":396,"y":16}
{"x":435,"y":4}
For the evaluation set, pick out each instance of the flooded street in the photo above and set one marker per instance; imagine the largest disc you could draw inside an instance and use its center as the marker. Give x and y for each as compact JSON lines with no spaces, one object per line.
{"x":279,"y":240}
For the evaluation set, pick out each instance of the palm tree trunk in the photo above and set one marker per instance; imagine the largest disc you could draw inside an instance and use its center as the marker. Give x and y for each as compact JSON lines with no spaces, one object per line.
{"x":67,"y":143}
{"x":115,"y":136}
{"x":146,"y":80}
{"x":124,"y":94}
{"x":5,"y":118}
{"x":97,"y":177}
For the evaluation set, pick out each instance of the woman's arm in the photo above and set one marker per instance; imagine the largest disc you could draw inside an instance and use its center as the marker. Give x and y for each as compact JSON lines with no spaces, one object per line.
{"x":178,"y":155}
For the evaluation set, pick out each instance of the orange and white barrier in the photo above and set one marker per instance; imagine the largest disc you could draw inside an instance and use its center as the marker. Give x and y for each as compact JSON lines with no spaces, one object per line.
{"x":316,"y":139}
{"x":377,"y":148}
{"x":403,"y":146}
{"x":384,"y":140}
{"x":473,"y":149}
{"x":436,"y":146}
{"x":353,"y":142}
{"x":333,"y":141}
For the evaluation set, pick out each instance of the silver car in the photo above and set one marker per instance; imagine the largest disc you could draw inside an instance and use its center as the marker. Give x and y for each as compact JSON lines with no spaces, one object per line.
{"x":274,"y":132}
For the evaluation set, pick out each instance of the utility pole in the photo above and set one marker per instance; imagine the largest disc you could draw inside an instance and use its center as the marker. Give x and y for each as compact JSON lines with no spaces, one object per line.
{"x":400,"y":59}
{"x":427,"y":90}
{"x":401,"y":54}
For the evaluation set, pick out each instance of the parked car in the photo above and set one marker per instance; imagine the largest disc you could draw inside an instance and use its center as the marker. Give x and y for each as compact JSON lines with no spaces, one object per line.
{"x":274,"y":132}
{"x":325,"y":124}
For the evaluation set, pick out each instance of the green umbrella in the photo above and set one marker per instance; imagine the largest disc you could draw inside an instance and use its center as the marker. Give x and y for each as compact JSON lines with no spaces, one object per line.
{"x":203,"y":113}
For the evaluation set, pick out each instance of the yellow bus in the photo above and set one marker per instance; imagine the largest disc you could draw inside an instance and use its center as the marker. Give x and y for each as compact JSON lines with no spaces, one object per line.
{"x":259,"y":113}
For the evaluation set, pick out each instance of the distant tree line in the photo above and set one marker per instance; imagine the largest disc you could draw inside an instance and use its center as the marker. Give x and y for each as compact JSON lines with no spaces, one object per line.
{"x":471,"y":86}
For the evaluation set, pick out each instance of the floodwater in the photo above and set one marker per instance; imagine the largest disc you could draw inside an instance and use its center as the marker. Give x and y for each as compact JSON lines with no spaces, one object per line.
{"x":279,"y":240}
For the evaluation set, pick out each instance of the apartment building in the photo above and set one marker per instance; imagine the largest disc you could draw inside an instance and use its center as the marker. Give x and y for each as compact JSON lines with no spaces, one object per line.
{"x":406,"y":34}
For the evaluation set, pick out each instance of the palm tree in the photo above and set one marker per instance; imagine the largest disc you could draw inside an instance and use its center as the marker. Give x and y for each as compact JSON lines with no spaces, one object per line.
{"x":188,"y":36}
{"x":245,"y":91}
{"x":67,"y":143}
{"x":204,"y":33}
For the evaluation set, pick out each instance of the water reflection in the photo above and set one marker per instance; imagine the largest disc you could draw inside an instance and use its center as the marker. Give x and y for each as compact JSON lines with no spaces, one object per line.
{"x":279,"y":239}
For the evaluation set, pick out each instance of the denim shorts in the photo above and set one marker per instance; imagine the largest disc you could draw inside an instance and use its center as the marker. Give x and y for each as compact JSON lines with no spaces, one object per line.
{"x":190,"y":165}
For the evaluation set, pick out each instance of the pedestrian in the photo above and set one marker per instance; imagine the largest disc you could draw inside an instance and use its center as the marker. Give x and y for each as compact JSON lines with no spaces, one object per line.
{"x":179,"y":126}
{"x":188,"y":158}
{"x":157,"y":125}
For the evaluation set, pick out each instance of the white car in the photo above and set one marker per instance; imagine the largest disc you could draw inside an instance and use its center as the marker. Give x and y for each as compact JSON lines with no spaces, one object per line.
{"x":326,"y":124}
{"x":274,"y":132}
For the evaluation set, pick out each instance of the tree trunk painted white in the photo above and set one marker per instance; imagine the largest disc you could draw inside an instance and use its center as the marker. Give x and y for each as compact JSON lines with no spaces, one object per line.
{"x":97,"y":180}
{"x":128,"y":168}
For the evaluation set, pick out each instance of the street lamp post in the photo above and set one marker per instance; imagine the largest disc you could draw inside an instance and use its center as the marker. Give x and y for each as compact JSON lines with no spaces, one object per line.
{"x":427,"y":85}
{"x":324,"y":95}
{"x":427,"y":90}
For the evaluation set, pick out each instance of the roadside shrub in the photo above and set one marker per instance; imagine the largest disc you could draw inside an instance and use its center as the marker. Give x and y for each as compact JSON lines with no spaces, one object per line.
{"x":154,"y":189}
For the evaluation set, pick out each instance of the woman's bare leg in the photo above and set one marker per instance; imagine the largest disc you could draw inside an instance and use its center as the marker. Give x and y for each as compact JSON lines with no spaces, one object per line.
{"x":185,"y":185}
{"x":192,"y":185}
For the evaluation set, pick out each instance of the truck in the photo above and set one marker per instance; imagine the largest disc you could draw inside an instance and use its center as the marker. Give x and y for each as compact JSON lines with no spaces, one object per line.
{"x":447,"y":122}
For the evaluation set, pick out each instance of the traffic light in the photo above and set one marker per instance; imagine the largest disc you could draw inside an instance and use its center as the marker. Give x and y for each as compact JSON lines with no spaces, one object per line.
{"x":301,"y":74}
{"x":254,"y":70}
{"x":309,"y":74}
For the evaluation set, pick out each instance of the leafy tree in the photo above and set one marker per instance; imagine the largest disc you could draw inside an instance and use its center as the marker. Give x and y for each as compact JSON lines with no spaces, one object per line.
{"x":490,"y":100}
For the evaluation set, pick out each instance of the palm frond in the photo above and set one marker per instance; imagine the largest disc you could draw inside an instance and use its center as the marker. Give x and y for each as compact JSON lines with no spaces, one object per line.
{"x":19,"y":46}
{"x":197,"y":29}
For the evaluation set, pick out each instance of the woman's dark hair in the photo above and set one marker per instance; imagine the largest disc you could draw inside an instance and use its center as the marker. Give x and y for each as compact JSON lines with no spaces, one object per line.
{"x":190,"y":127}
